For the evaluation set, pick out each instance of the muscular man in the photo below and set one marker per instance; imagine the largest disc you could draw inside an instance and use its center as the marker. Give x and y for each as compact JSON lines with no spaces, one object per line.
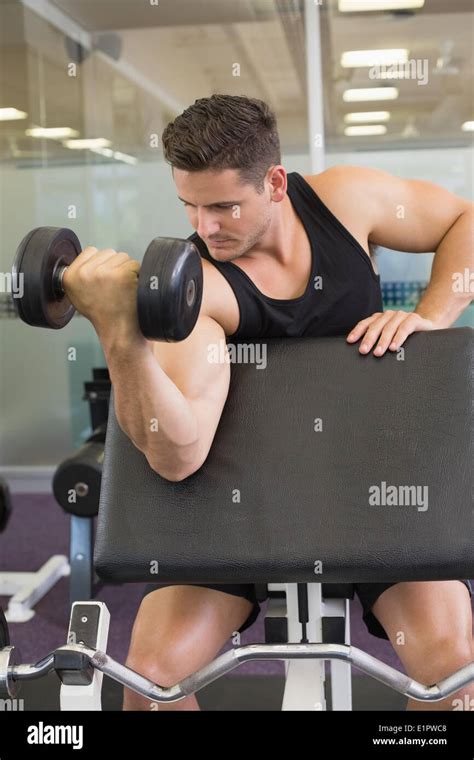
{"x":283,"y":255}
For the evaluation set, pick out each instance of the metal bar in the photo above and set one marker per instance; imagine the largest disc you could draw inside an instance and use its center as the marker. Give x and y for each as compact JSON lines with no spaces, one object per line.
{"x":80,"y":560}
{"x":314,"y":76}
{"x":232,"y":659}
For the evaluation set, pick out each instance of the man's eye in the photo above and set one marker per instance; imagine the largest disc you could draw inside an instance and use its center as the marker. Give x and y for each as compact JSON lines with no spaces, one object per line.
{"x":220,"y":207}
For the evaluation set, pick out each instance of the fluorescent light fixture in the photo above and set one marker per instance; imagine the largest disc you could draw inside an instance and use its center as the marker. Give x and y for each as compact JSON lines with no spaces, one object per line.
{"x":370,"y":93}
{"x":368,"y":129}
{"x":352,"y":6}
{"x":52,"y":133}
{"x":364,"y":116}
{"x":97,"y":142}
{"x":468,"y":126}
{"x":125,"y":158}
{"x":118,"y":155}
{"x":107,"y":152}
{"x":12,"y":114}
{"x":388,"y":57}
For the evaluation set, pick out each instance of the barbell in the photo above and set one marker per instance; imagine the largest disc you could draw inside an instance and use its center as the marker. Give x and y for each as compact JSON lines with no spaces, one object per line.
{"x":170,"y":283}
{"x":76,"y":662}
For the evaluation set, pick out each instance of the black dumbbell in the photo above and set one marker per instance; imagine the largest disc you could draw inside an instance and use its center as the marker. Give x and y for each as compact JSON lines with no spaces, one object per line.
{"x":5,"y":504}
{"x":82,"y":474}
{"x":4,"y":632}
{"x":169,"y":294}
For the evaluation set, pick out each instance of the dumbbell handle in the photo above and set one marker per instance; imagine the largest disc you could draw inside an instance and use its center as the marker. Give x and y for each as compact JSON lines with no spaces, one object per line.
{"x":58,"y":280}
{"x":61,"y":271}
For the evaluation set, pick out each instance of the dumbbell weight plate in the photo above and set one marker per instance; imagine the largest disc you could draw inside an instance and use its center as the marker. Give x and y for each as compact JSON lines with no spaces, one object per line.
{"x":170,"y":287}
{"x":40,"y":256}
{"x":5,"y":505}
{"x":9,"y":657}
{"x":4,"y":632}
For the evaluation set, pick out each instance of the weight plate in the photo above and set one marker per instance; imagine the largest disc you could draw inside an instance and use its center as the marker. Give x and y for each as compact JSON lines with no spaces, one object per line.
{"x":170,"y":287}
{"x":4,"y":633}
{"x":39,"y":257}
{"x":5,"y":505}
{"x":9,"y":657}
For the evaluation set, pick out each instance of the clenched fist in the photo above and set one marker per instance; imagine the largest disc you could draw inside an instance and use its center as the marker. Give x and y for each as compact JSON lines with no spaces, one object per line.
{"x":102,"y":285}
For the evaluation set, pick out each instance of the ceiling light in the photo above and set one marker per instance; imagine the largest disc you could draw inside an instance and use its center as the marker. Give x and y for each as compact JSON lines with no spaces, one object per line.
{"x":370,"y":93}
{"x":363,"y":116}
{"x":369,"y":129}
{"x":118,"y":155}
{"x":125,"y":157}
{"x":51,"y":133}
{"x":11,"y":114}
{"x":388,"y":57}
{"x":97,"y":142}
{"x":468,"y":126}
{"x":351,"y":6}
{"x":107,"y":152}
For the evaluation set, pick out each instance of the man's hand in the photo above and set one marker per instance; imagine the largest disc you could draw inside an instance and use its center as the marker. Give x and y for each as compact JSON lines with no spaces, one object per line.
{"x":389,"y":329}
{"x":102,"y":285}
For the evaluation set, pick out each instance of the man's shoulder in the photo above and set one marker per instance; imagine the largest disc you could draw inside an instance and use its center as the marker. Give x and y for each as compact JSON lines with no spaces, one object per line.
{"x":344,"y":191}
{"x":340,"y":186}
{"x":334,"y":175}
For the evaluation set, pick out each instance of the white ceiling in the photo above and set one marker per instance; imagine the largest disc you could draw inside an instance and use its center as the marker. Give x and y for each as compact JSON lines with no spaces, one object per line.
{"x":180,"y":50}
{"x":95,"y":15}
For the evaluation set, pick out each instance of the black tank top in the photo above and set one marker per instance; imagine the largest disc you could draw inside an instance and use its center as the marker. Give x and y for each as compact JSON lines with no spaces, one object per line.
{"x":342,"y":289}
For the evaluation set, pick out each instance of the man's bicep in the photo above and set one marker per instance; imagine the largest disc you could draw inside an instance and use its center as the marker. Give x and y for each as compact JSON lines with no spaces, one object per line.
{"x":193,"y":364}
{"x":198,"y":367}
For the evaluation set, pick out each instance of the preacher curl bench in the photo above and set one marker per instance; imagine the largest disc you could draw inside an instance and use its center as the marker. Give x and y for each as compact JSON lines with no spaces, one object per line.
{"x":285,"y":500}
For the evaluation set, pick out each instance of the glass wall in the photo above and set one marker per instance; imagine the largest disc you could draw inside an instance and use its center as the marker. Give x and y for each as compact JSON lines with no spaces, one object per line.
{"x":398,"y":96}
{"x":114,"y":74}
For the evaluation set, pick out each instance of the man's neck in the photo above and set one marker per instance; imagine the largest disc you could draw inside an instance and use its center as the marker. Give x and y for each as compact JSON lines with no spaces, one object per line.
{"x":278,"y":242}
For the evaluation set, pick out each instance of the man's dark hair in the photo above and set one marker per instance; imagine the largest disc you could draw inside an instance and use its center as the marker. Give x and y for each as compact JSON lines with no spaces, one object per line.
{"x":225,"y":132}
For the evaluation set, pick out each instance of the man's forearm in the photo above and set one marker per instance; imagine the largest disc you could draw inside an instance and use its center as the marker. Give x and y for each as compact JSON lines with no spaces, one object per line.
{"x":149,"y":407}
{"x":441,"y":302}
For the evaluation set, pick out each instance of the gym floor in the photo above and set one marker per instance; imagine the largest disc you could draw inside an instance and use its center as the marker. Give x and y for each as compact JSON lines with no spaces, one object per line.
{"x":39,"y":528}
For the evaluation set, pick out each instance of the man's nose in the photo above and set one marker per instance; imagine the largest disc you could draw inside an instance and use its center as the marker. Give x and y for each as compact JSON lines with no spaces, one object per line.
{"x":207,"y":225}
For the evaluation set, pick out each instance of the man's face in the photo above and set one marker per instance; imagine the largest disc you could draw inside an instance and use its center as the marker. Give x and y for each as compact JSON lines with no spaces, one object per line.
{"x":220,"y":208}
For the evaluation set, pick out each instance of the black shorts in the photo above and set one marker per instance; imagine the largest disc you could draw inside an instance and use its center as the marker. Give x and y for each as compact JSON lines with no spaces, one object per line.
{"x":368,"y":594}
